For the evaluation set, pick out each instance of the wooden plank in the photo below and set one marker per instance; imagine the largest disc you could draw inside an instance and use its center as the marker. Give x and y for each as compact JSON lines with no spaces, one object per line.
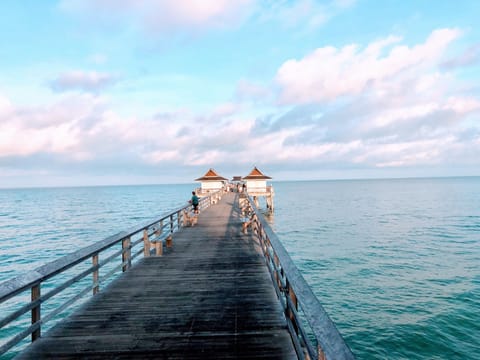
{"x":266,"y":345}
{"x":210,"y":296}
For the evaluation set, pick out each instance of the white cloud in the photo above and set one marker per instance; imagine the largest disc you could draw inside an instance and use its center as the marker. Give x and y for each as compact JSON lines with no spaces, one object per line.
{"x":58,"y":128}
{"x":90,"y":81}
{"x":415,"y":153}
{"x":5,"y":106}
{"x":329,"y":73}
{"x":309,"y":12}
{"x":384,"y":105}
{"x":203,"y":12}
{"x":306,"y":15}
{"x":225,"y":110}
{"x":158,"y":17}
{"x":470,"y":57}
{"x":462,"y":105}
{"x":81,"y":132}
{"x":167,"y":15}
{"x":394,"y":115}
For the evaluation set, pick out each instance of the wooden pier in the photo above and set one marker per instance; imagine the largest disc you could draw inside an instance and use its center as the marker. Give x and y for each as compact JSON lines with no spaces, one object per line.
{"x":209,"y":296}
{"x":224,"y":288}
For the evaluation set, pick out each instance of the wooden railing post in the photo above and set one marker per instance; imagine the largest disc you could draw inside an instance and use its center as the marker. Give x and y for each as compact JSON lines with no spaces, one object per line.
{"x":36,"y":315}
{"x":146,"y":244}
{"x":96,"y":286}
{"x":169,"y":239}
{"x":126,"y":254}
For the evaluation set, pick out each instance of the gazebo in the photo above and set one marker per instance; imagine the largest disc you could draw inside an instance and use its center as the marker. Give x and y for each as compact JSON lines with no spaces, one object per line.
{"x":256,"y":183}
{"x":211,"y":182}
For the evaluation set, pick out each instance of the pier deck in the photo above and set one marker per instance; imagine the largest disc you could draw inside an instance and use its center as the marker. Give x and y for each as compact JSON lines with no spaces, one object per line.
{"x":210,"y":296}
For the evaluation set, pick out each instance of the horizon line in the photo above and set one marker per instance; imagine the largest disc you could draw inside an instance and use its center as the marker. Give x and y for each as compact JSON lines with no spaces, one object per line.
{"x":272,"y":180}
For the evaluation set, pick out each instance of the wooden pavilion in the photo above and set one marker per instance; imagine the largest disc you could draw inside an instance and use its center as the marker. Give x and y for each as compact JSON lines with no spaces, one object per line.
{"x":256,"y":183}
{"x":211,"y":182}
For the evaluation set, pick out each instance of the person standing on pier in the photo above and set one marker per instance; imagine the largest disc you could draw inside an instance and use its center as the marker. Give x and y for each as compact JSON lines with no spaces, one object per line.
{"x":195,"y":201}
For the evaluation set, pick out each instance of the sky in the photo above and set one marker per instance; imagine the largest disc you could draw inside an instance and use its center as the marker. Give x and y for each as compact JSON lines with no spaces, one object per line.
{"x":114,"y":92}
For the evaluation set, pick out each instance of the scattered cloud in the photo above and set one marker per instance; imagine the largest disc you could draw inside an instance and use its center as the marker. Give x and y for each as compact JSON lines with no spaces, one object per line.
{"x":59,"y":128}
{"x":169,"y":16}
{"x":471,"y":56}
{"x":386,"y":104}
{"x":164,"y":16}
{"x":5,"y":106}
{"x":88,"y":81}
{"x":305,"y":15}
{"x":329,"y":73}
{"x":308,"y":12}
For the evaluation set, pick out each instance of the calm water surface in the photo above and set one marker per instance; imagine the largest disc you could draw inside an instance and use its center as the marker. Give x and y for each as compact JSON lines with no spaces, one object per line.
{"x":396,"y":263}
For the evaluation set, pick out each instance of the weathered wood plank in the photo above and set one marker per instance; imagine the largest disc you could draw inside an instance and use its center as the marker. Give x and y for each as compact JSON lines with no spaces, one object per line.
{"x":265,"y":345}
{"x":209,"y":296}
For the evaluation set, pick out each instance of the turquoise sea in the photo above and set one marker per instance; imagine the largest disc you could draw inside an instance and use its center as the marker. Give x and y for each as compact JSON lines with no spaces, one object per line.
{"x":396,"y":263}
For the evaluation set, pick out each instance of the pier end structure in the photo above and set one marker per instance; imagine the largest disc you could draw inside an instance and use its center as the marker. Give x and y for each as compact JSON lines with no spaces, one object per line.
{"x":256,"y":183}
{"x":211,"y":182}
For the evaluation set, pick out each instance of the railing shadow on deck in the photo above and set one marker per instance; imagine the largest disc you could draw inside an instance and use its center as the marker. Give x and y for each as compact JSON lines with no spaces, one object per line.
{"x":314,"y":334}
{"x":24,"y":298}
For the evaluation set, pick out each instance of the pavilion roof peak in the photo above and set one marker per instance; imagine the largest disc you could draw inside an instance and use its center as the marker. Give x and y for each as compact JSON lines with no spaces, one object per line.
{"x":256,"y":174}
{"x":211,"y":174}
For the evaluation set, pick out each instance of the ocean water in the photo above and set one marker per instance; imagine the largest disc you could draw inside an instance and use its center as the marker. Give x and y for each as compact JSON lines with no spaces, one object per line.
{"x":396,"y":263}
{"x":40,"y":225}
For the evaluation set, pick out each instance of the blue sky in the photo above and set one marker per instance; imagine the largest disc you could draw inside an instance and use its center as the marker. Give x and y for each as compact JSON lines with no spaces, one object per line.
{"x":144,"y":92}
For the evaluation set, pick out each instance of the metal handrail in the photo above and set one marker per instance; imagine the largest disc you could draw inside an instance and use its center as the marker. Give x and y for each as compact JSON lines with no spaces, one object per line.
{"x":297,"y":299}
{"x":160,"y":228}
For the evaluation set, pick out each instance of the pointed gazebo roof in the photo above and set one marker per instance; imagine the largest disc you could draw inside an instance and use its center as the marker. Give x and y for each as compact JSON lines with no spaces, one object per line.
{"x":212,"y":176}
{"x":256,"y":174}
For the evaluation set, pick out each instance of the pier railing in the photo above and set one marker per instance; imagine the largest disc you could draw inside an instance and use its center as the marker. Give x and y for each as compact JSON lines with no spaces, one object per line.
{"x":314,"y":334}
{"x":56,"y":286}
